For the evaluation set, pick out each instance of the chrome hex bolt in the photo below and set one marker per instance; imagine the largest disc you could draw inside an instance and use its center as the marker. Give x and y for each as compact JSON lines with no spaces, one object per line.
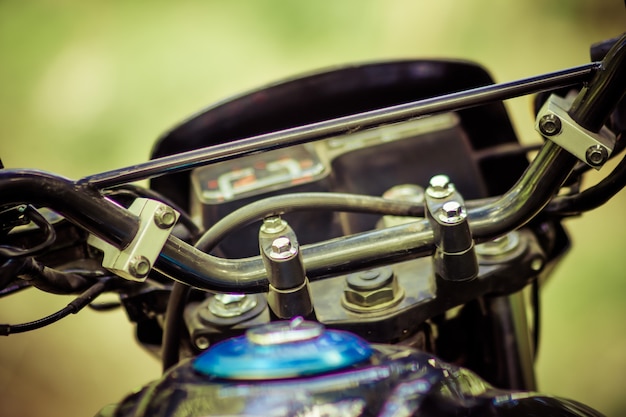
{"x":452,"y":212}
{"x":550,"y":125}
{"x":164,"y":217}
{"x":282,"y":244}
{"x":282,"y":248}
{"x":440,"y":187}
{"x":273,"y":224}
{"x":139,"y":266}
{"x":596,"y":155}
{"x":202,"y":342}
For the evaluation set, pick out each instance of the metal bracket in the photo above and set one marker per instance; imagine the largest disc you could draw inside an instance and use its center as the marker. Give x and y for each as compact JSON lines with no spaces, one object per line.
{"x":555,"y":124}
{"x":135,"y":261}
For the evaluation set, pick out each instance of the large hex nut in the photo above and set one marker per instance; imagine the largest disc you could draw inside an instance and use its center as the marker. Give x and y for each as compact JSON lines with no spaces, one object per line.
{"x":371,"y":290}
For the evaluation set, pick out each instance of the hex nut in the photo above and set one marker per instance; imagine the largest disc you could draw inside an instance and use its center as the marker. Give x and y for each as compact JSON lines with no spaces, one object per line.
{"x":369,"y":298}
{"x":371,"y":290}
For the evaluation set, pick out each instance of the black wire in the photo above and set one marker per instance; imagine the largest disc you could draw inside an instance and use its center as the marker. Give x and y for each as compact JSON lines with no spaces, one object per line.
{"x":173,"y":326}
{"x":72,"y":308}
{"x":52,"y":280}
{"x":112,"y":305}
{"x":42,"y":223}
{"x":14,"y":287}
{"x":592,"y":197}
{"x":8,"y":329}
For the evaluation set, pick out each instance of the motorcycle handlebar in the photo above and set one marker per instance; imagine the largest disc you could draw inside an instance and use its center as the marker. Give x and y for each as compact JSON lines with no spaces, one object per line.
{"x":82,"y":203}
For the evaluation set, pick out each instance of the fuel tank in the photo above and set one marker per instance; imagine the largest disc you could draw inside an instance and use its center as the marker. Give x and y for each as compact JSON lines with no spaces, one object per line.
{"x":299,"y":368}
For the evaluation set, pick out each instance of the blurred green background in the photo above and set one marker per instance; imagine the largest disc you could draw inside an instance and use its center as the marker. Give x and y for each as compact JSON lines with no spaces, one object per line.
{"x":88,"y":86}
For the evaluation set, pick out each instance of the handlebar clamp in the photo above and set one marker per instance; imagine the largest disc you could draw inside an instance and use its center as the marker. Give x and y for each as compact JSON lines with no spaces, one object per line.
{"x":554,"y":123}
{"x":135,"y":261}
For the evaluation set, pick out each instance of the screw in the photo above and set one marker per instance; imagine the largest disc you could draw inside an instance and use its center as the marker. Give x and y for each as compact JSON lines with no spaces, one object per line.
{"x":202,"y":342}
{"x":273,"y":224}
{"x":452,"y":212}
{"x":452,"y":209}
{"x":596,"y":155}
{"x":536,"y":264}
{"x":440,"y":187}
{"x":164,"y":217}
{"x":139,"y":266}
{"x":550,"y":125}
{"x":282,"y":248}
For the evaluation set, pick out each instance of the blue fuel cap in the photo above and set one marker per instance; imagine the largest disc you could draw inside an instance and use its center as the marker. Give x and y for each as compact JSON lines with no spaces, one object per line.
{"x":285,"y":349}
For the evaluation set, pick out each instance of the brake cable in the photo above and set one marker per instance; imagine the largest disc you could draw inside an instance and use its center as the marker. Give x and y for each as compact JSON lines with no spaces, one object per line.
{"x":72,"y":308}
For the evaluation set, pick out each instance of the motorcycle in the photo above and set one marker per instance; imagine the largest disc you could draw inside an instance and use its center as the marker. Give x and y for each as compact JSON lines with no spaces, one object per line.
{"x":418,"y":275}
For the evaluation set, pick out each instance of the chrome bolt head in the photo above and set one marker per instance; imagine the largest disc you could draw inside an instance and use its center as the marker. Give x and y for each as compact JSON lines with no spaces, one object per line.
{"x":440,"y":187}
{"x":550,"y":125}
{"x":596,"y":155}
{"x":164,"y":217}
{"x":282,"y":244}
{"x":452,"y":212}
{"x":282,"y":248}
{"x":139,"y":266}
{"x":273,"y":224}
{"x":202,"y":342}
